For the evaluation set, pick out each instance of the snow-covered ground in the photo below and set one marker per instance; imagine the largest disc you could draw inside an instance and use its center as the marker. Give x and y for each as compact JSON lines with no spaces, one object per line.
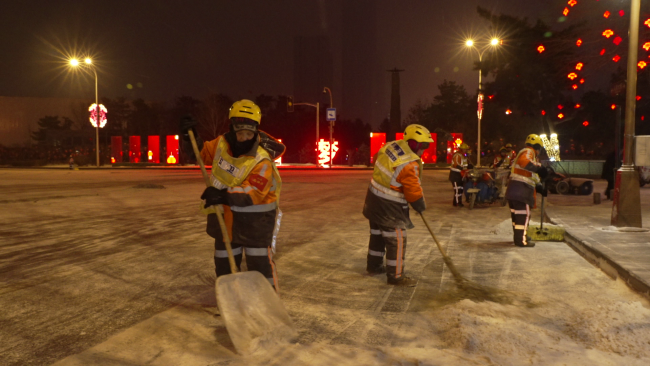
{"x":98,"y":272}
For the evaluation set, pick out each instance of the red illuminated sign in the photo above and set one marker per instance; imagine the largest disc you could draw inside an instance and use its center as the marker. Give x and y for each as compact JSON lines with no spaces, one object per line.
{"x":153,"y":149}
{"x":324,"y":151}
{"x":172,"y":150}
{"x":134,"y":149}
{"x":377,"y":140}
{"x":116,"y":149}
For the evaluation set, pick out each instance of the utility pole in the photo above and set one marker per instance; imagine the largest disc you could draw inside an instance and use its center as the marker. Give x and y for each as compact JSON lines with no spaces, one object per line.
{"x":626,"y":209}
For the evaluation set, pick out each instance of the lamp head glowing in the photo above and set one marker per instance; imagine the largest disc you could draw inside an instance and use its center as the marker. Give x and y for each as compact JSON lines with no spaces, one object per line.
{"x":469,"y":43}
{"x":88,"y":61}
{"x":74,"y":62}
{"x":494,"y":41}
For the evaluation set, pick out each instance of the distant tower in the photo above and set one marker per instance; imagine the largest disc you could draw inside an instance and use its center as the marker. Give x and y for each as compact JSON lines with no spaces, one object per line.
{"x":395,"y":110}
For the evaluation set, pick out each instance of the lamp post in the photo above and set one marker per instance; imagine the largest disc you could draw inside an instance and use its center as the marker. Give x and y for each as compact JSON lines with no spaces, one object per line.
{"x":327,"y":90}
{"x":89,"y":63}
{"x":626,"y":209}
{"x":470,"y":43}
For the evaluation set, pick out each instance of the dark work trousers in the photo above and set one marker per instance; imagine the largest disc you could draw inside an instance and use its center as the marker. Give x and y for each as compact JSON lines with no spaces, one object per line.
{"x":391,"y":242}
{"x":458,"y":192}
{"x":520,"y":214}
{"x":253,"y":235}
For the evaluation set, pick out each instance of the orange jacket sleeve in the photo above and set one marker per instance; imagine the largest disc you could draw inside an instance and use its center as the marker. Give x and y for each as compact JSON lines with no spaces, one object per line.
{"x":409,"y":178}
{"x":208,"y":150}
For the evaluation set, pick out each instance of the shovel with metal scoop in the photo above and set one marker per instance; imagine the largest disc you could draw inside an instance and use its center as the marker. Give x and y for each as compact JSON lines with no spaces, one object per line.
{"x":251,"y":309}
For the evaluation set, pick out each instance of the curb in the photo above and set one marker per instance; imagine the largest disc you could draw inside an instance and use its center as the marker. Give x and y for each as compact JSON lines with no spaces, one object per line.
{"x":603,"y":261}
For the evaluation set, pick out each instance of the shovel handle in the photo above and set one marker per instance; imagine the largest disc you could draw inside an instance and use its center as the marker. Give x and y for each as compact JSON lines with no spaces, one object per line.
{"x":450,"y":264}
{"x":222,"y":224}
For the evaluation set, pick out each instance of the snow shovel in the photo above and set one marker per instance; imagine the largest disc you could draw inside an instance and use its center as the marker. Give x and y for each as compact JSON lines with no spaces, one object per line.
{"x":552,"y":233}
{"x":252,"y":311}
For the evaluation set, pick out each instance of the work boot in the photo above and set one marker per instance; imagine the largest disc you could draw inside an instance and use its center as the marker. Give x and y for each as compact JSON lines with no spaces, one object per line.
{"x":461,"y":204}
{"x":529,"y":245}
{"x":403,"y":281}
{"x":376,"y":271}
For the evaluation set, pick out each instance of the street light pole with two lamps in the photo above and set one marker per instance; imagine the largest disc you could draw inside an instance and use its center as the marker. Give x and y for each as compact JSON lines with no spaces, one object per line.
{"x":470,"y":43}
{"x":89,"y":63}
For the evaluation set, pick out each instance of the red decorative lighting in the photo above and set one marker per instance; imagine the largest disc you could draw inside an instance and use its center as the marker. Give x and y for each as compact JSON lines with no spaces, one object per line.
{"x":617,"y":40}
{"x":574,"y":86}
{"x":560,"y":116}
{"x":579,"y":66}
{"x":579,"y":43}
{"x":602,"y":52}
{"x":608,"y":33}
{"x":540,"y":49}
{"x":621,"y":12}
{"x":543,"y":112}
{"x":490,"y":96}
{"x":607,"y":13}
{"x":642,"y":64}
{"x":647,"y":22}
{"x":616,"y":58}
{"x":582,"y":81}
{"x":508,"y":111}
{"x":585,"y":123}
{"x":560,"y":106}
{"x":565,"y":12}
{"x":572,"y":2}
{"x":646,"y":46}
{"x":638,"y":97}
{"x":577,"y":106}
{"x":613,"y":106}
{"x":572,"y":75}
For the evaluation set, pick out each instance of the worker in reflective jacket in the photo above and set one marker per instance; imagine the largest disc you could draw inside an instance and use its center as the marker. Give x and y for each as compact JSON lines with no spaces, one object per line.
{"x":394,"y":185}
{"x":246,"y":181}
{"x":457,"y":171}
{"x":525,"y":176}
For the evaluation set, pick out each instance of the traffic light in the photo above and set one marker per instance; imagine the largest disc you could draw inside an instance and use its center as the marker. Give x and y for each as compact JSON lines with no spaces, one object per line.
{"x":289,"y":103}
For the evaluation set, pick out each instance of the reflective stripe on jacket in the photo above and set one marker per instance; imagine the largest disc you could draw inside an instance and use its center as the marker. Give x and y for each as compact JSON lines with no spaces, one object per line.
{"x":253,"y":181}
{"x":525,"y":166}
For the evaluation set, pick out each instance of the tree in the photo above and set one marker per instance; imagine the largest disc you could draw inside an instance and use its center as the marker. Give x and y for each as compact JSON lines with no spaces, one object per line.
{"x":213,"y":116}
{"x":49,"y":124}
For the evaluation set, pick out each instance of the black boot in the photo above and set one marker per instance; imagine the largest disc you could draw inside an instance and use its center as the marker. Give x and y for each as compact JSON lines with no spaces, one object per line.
{"x":403,"y":281}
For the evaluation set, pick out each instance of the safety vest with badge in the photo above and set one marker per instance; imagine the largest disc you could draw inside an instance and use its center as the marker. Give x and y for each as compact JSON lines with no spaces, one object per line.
{"x":228,"y":171}
{"x":519,"y":173}
{"x":391,"y":157}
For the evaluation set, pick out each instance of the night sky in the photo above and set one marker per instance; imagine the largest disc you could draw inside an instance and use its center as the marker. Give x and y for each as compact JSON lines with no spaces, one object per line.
{"x":241,"y":48}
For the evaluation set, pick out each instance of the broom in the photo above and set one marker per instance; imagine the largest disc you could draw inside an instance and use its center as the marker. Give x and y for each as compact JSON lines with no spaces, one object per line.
{"x":554,"y":233}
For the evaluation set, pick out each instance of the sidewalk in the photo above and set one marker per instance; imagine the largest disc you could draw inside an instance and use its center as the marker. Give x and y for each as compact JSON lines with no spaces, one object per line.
{"x":588,"y":230}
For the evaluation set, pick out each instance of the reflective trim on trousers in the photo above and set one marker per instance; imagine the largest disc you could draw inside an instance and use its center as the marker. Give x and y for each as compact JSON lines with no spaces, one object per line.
{"x":391,"y":262}
{"x":520,"y":227}
{"x":376,"y":253}
{"x":224,"y":253}
{"x":519,"y":212}
{"x":256,"y":252}
{"x":375,"y":232}
{"x":455,"y":170}
{"x":255,"y":208}
{"x":392,"y":234}
{"x":400,"y":253}
{"x":458,"y":193}
{"x":526,"y":224}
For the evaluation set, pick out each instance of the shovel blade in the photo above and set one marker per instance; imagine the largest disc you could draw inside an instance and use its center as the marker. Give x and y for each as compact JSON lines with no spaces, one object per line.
{"x":253,"y":313}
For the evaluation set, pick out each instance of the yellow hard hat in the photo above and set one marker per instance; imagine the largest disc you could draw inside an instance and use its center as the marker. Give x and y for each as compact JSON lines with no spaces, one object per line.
{"x":464,"y":146}
{"x":418,"y":133}
{"x":246,"y":109}
{"x":534,"y":139}
{"x":509,"y":145}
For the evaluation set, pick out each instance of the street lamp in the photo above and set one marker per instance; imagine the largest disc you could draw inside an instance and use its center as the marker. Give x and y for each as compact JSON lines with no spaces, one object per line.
{"x":327,"y":90}
{"x":626,"y":210}
{"x":471,"y":44}
{"x":89,"y":63}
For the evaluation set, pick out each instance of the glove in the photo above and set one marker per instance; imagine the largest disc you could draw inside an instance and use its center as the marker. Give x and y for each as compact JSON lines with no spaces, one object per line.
{"x":542,"y":172}
{"x":419,"y":205}
{"x":213,"y":196}
{"x":271,"y":146}
{"x":541,"y":189}
{"x":188,"y":123}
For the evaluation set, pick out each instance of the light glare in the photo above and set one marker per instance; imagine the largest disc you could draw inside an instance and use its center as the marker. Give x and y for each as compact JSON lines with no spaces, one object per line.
{"x":469,"y":43}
